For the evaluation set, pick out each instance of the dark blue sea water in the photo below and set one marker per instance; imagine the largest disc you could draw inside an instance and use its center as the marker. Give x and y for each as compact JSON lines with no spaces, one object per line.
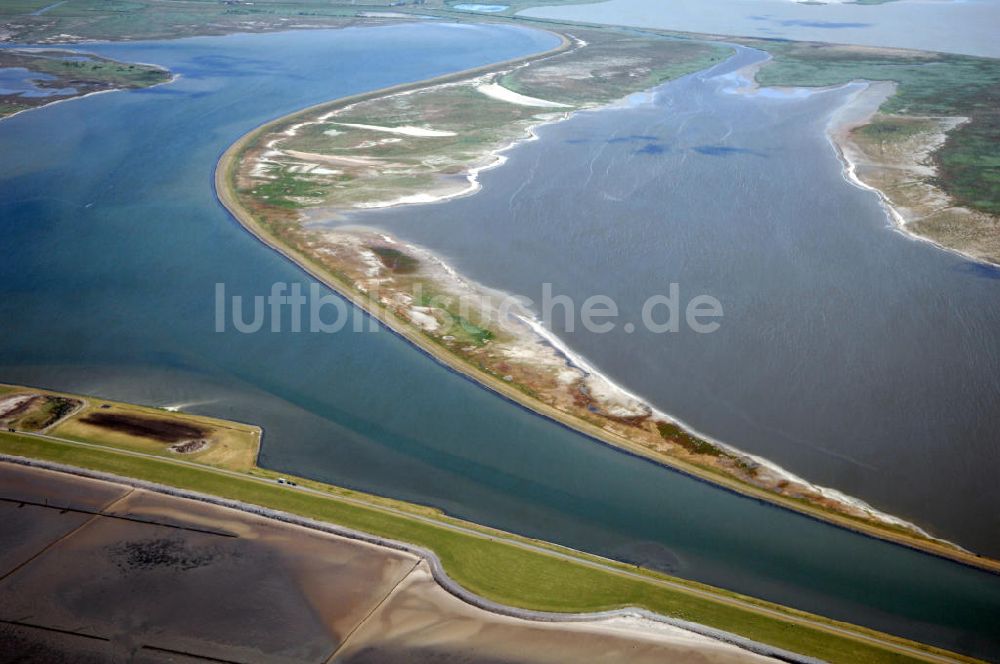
{"x":113,"y":242}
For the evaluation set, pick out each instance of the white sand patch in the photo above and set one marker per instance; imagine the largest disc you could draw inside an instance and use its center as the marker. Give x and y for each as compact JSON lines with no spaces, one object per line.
{"x":421,"y":317}
{"x":262,"y":169}
{"x":373,"y":266}
{"x":689,"y":642}
{"x":501,"y":93}
{"x":294,"y":129}
{"x":405,"y":130}
{"x":334,"y":159}
{"x":402,"y":200}
{"x":538,"y":354}
{"x":9,"y":404}
{"x":364,"y":145}
{"x":567,"y":376}
{"x":491,"y":159}
{"x":638,"y":626}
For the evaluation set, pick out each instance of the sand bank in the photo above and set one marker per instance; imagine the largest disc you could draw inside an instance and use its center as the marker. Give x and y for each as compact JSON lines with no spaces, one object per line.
{"x":521,"y":362}
{"x":497,"y":91}
{"x":901,"y":172}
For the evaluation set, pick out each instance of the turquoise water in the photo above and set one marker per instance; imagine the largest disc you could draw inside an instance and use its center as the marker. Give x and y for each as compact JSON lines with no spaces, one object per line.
{"x":113,"y":242}
{"x":481,"y":8}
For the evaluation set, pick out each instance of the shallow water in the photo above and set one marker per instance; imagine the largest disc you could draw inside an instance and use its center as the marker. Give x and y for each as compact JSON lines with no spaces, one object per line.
{"x":848,"y":353}
{"x":113,"y":244}
{"x":481,"y":8}
{"x":952,"y":26}
{"x":24,"y":83}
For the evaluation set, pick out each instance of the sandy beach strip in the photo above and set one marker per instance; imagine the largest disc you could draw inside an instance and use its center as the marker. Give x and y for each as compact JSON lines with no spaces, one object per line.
{"x":405,"y":130}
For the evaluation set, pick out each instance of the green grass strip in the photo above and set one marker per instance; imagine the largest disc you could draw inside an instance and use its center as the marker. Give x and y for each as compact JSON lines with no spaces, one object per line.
{"x":492,"y":568}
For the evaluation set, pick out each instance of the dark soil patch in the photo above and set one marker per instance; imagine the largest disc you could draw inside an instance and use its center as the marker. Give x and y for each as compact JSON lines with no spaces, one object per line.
{"x":166,"y":431}
{"x":159,"y":553}
{"x":189,"y":446}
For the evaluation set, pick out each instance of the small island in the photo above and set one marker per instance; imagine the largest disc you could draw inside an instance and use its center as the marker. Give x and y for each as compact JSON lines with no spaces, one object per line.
{"x":32,"y":78}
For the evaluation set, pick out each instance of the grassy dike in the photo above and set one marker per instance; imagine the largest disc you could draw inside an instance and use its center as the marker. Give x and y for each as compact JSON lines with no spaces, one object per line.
{"x":499,"y":566}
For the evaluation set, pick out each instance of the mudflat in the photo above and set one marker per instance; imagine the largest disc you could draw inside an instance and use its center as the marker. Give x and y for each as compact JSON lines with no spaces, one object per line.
{"x":105,"y":570}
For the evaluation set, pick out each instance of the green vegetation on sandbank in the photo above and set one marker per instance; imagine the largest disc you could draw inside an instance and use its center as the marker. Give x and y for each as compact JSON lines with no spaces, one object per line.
{"x":83,"y":72}
{"x":87,"y":20}
{"x":929,"y":84}
{"x":612,"y":65}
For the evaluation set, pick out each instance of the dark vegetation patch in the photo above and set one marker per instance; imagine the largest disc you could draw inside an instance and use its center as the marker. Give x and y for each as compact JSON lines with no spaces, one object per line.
{"x":53,"y":410}
{"x":286,"y":187}
{"x":395,"y":260}
{"x":39,"y":412}
{"x":85,"y":72}
{"x":892,"y":128}
{"x":930,"y":84}
{"x":167,"y":431}
{"x":674,"y":434}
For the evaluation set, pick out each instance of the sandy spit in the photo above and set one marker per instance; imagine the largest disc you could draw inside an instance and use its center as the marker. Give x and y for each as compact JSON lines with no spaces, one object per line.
{"x":857,"y":112}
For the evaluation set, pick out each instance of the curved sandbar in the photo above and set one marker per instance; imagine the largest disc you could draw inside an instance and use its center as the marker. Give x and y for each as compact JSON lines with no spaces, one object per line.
{"x":690,"y":462}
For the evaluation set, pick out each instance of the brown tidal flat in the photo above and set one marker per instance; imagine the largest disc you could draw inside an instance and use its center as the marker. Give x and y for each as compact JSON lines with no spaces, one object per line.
{"x":190,"y":578}
{"x":421,"y":623}
{"x":96,"y":571}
